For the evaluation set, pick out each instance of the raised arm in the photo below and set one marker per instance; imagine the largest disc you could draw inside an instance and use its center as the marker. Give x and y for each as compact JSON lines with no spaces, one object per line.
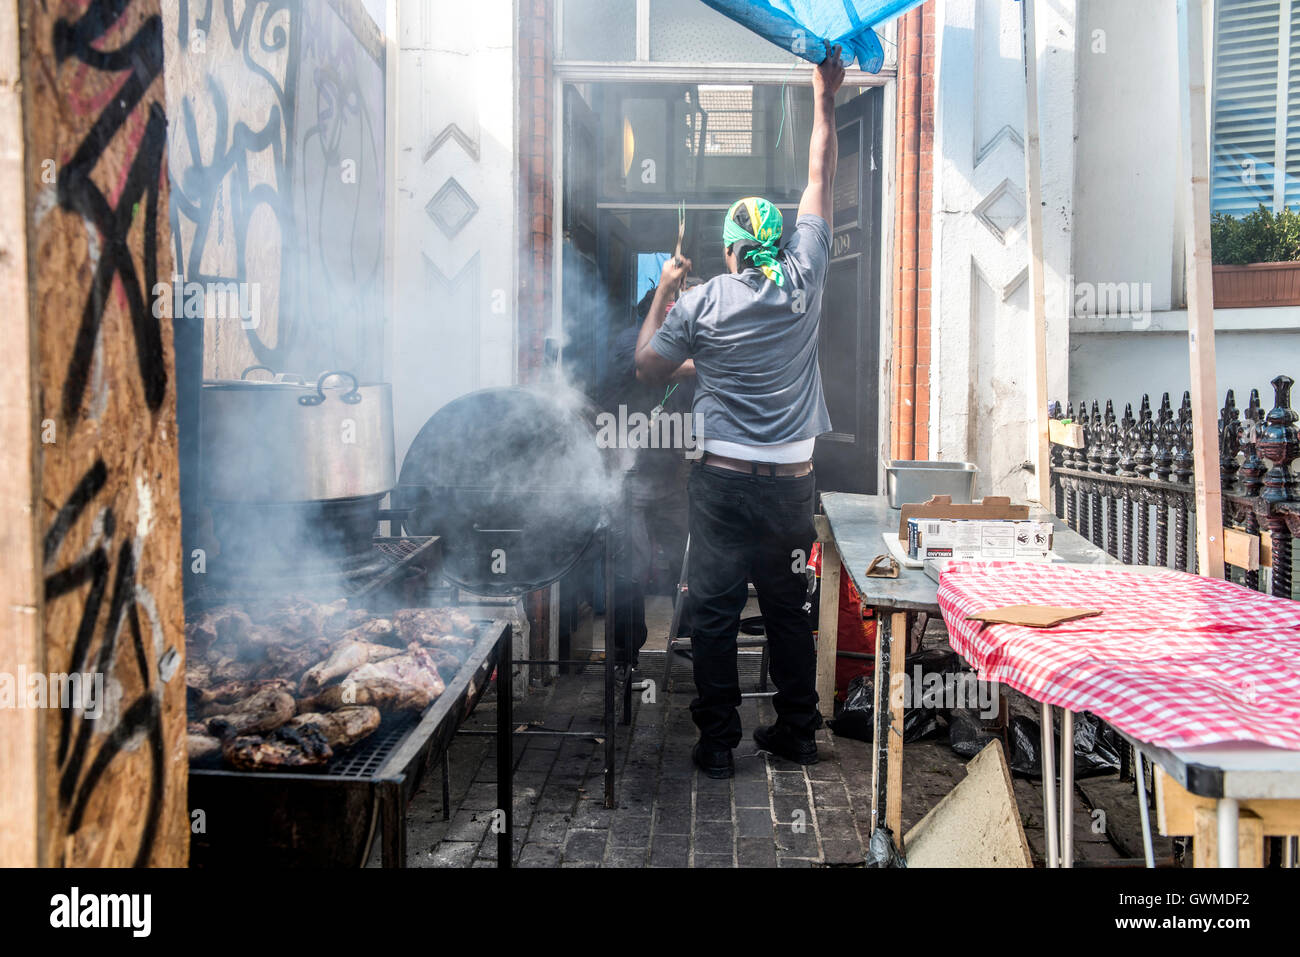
{"x":824,"y":151}
{"x":650,"y":365}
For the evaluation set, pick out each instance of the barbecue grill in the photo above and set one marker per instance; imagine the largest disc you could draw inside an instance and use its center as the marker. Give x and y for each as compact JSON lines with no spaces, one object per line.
{"x":328,"y":818}
{"x":519,"y":488}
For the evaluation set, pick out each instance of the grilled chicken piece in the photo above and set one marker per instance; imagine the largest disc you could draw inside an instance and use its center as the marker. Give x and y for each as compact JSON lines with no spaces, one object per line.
{"x":413,"y":668}
{"x":287,"y":747}
{"x":372,"y":630}
{"x":390,"y":697}
{"x":257,"y":714}
{"x":296,"y":618}
{"x":342,"y":728}
{"x":447,"y":663}
{"x":414,"y":623}
{"x":202,"y":748}
{"x":288,"y":663}
{"x":225,"y":668}
{"x":339,"y":622}
{"x":203,"y":702}
{"x":198,"y":673}
{"x":345,"y":658}
{"x":218,"y":627}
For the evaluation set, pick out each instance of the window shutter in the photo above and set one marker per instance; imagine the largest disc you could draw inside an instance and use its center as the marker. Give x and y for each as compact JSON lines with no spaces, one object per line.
{"x":1246,"y":104}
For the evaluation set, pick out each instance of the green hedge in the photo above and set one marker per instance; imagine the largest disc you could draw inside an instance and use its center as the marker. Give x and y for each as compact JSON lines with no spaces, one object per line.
{"x":1258,"y":237}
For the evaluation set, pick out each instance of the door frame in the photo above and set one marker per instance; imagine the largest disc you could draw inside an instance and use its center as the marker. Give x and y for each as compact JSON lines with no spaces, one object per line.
{"x":566,"y":72}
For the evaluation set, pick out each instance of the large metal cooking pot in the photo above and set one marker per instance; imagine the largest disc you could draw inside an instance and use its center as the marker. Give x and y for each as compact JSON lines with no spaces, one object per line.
{"x":284,"y":440}
{"x":515,"y":483}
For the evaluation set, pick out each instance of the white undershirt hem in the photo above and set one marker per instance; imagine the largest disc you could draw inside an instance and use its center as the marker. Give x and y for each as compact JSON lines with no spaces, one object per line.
{"x":784,"y":453}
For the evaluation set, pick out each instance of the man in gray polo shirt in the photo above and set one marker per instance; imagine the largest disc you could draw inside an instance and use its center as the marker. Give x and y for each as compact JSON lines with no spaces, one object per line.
{"x":753,"y":336}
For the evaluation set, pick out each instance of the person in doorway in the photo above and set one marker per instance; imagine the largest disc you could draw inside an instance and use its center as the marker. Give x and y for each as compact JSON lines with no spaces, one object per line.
{"x":653,"y":480}
{"x":753,"y":335}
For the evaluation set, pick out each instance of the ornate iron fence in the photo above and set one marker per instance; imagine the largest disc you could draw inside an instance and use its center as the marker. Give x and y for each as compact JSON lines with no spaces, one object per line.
{"x":1128,"y":485}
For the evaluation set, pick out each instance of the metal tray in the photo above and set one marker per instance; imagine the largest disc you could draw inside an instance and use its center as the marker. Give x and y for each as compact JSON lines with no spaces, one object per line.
{"x":911,"y":483}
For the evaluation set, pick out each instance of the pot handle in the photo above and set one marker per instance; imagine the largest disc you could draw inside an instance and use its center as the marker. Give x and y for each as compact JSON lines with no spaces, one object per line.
{"x":352,"y":397}
{"x":283,"y":377}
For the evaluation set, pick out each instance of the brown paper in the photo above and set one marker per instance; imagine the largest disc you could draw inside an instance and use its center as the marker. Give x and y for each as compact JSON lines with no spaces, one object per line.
{"x":1033,"y":616}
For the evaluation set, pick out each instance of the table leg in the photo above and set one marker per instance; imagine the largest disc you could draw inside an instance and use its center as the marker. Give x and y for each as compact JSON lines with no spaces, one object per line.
{"x":393,"y":808}
{"x":1067,"y":787}
{"x":1227,"y":811}
{"x":828,"y":619}
{"x":887,"y":733}
{"x":446,"y":785}
{"x":1049,"y":787}
{"x":1144,"y":810}
{"x":505,"y":751}
{"x":611,"y":732}
{"x":880,"y":714}
{"x":894,"y":764}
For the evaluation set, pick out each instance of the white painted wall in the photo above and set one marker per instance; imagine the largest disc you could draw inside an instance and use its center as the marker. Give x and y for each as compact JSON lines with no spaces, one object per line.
{"x":453,"y":301}
{"x":982,"y":377}
{"x":1129,"y":220}
{"x":1112,"y":215}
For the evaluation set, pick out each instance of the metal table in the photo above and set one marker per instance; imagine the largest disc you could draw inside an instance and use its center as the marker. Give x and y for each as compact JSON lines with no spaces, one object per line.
{"x":850,"y":531}
{"x":1229,"y":773}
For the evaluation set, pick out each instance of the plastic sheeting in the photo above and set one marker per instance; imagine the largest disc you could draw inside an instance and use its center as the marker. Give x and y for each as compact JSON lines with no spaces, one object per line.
{"x":808,"y":28}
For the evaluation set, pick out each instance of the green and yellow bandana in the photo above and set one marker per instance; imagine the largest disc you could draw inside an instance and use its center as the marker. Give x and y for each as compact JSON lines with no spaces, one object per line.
{"x":758,"y":221}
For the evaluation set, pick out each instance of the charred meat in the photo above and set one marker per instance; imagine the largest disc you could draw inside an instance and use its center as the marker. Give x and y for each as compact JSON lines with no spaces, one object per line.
{"x":345,"y":658}
{"x":257,"y":714}
{"x":342,"y":728}
{"x":390,"y":697}
{"x":287,"y":747}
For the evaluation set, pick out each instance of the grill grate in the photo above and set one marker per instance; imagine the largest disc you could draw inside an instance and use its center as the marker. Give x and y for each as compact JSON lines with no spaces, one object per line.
{"x":365,"y":759}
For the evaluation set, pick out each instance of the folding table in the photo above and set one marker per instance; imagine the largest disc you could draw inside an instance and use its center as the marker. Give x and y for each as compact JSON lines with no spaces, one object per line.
{"x":850,"y":530}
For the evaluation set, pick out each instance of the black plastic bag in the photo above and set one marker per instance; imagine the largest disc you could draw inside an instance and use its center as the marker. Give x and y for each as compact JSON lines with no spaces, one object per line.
{"x":966,"y":734}
{"x":856,"y":717}
{"x":1096,"y":747}
{"x":882,"y":852}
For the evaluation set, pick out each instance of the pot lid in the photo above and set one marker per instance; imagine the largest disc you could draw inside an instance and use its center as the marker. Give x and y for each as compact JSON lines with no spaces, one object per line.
{"x":514,"y":482}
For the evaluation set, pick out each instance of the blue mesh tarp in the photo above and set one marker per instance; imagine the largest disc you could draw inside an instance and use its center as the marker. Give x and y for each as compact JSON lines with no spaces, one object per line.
{"x":807,"y":28}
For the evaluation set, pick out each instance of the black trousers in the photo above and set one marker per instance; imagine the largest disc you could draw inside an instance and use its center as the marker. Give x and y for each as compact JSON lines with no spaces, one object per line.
{"x":750,"y":528}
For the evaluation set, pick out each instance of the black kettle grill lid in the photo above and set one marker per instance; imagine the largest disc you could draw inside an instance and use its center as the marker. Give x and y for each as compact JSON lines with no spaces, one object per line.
{"x":514,"y":482}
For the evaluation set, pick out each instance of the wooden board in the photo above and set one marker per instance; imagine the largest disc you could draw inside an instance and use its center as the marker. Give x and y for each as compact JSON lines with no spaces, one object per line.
{"x":1034,"y":240}
{"x":1205,"y":839}
{"x":20,"y":583}
{"x":828,"y":618}
{"x":894,"y":752}
{"x":977,"y":824}
{"x":109,"y":504}
{"x":1068,"y":434}
{"x":1176,"y":810}
{"x":1241,"y":549}
{"x":1200,"y":285}
{"x":992,"y":508}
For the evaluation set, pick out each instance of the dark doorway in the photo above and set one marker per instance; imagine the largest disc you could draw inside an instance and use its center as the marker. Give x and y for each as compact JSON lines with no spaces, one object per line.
{"x":847,"y":458}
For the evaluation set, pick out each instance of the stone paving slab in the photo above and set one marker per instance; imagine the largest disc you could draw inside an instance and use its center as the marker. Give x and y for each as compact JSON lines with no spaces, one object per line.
{"x":773,"y":813}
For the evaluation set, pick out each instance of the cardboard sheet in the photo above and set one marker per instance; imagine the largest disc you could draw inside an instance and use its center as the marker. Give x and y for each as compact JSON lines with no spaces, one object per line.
{"x":1033,"y":616}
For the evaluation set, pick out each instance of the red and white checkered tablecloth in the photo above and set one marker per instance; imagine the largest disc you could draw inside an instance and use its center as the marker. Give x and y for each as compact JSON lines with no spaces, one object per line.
{"x":1175,"y":660}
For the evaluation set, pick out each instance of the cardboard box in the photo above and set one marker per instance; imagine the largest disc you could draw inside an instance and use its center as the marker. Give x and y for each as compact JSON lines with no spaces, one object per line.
{"x":960,"y":538}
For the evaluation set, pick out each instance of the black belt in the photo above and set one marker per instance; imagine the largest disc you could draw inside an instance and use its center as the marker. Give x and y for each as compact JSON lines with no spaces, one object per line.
{"x":789,"y":469}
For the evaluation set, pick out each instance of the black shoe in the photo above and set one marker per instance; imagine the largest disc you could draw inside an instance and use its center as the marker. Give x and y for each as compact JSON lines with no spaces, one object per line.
{"x":780,"y":740}
{"x":715,"y":762}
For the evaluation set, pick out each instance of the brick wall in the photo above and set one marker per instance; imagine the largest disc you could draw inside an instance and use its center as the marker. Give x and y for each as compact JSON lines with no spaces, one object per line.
{"x":914,"y":157}
{"x":535,"y":149}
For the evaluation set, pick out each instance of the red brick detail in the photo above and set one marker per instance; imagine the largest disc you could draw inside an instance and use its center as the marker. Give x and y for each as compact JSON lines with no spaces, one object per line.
{"x":909,"y":427}
{"x":534,"y":149}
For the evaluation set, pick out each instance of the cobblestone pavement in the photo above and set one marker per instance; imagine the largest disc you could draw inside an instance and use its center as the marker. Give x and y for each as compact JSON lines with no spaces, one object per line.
{"x":773,"y":814}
